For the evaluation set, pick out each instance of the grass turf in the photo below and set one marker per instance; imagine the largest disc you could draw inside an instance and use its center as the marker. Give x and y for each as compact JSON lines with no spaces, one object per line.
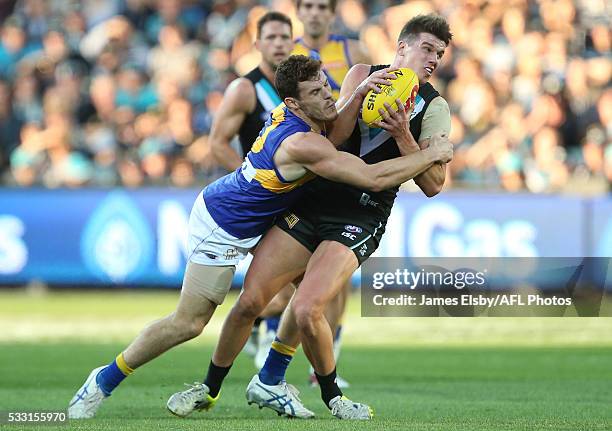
{"x":458,"y":374}
{"x":411,"y":389}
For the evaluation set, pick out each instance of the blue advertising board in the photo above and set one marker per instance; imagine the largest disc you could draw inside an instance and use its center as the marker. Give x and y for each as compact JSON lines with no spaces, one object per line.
{"x":138,"y":237}
{"x":601,"y":227}
{"x":94,"y":236}
{"x":494,"y":225}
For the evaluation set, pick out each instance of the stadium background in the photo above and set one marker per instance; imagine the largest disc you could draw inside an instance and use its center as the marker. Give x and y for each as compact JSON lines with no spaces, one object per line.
{"x":105,"y":107}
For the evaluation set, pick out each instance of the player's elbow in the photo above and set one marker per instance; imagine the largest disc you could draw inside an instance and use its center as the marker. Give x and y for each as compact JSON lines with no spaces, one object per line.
{"x":430,"y":186}
{"x":376,"y":184}
{"x":378,"y":179}
{"x":432,"y":189}
{"x":216,"y":148}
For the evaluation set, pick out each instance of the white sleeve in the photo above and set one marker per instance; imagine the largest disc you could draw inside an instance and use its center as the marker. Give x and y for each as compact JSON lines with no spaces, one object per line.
{"x":436,"y":119}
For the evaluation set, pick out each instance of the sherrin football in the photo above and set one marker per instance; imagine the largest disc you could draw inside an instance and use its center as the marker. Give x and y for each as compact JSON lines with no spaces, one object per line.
{"x":405,"y":88}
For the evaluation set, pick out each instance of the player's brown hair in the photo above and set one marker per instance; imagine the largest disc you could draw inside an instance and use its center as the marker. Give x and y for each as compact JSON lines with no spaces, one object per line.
{"x":296,"y":69}
{"x":332,"y":4}
{"x":273,"y":16}
{"x":431,"y":23}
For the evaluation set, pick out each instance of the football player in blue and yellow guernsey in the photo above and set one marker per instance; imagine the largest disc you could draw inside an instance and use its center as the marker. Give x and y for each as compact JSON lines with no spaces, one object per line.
{"x":230,"y":215}
{"x":337,"y":53}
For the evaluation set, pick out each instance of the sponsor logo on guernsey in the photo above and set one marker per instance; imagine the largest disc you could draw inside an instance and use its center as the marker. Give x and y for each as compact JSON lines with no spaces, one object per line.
{"x":353,"y":229}
{"x":365,"y":200}
{"x":230,"y":253}
{"x":363,"y":250}
{"x":291,"y":220}
{"x":350,"y":236}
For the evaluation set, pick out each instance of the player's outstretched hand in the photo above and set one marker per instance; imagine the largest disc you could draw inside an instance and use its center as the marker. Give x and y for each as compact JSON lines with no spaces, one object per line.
{"x":442,"y":147}
{"x":374,"y":82}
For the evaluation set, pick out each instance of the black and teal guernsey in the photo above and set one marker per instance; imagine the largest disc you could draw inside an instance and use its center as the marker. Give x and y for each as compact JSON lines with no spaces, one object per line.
{"x":374,"y":145}
{"x":267,"y":100}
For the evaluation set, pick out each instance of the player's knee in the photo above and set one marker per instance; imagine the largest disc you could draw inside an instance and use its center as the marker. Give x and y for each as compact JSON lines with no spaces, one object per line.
{"x":193,"y":329}
{"x":249,"y":306}
{"x":186,"y":329}
{"x":306,"y":316}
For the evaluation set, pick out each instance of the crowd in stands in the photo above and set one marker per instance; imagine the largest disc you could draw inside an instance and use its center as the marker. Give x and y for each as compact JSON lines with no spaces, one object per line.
{"x":122,"y":92}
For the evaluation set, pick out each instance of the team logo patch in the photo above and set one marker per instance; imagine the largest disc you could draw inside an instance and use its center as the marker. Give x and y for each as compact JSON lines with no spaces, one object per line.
{"x":353,"y":229}
{"x":291,"y":220}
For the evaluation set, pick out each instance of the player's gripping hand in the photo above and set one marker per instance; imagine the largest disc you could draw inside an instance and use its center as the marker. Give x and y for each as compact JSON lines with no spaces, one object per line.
{"x":397,"y":123}
{"x":374,"y":82}
{"x":441,"y":147}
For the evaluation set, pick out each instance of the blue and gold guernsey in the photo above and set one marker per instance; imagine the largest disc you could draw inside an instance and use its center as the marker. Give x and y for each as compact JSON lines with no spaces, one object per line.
{"x":334,"y":55}
{"x":245,"y":202}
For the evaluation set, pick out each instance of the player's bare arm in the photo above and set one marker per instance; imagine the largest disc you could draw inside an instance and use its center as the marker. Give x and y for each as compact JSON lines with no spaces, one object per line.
{"x":239,"y":100}
{"x":317,"y":154}
{"x":432,"y":180}
{"x":355,"y":87}
{"x":436,"y":121}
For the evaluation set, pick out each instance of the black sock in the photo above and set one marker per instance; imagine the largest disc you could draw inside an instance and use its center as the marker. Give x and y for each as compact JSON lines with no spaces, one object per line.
{"x":329,"y":387}
{"x":214,"y":378}
{"x":258,"y":322}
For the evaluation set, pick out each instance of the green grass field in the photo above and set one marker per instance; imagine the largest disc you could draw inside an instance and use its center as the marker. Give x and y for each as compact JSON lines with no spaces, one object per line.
{"x":418,"y":374}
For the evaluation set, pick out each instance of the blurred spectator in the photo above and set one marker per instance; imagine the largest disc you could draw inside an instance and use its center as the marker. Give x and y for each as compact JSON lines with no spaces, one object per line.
{"x":130,"y":173}
{"x":113,"y":43}
{"x":122,"y":92}
{"x":14,"y":46}
{"x":10,"y":124}
{"x":182,"y":174}
{"x":174,"y":57}
{"x":27,"y":159}
{"x":188,"y":15}
{"x":133,"y":90}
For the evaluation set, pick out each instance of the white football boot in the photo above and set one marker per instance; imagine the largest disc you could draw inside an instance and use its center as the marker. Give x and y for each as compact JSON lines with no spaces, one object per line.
{"x":282,"y":398}
{"x":88,"y":398}
{"x":343,"y":408}
{"x":195,"y":398}
{"x":252,"y":345}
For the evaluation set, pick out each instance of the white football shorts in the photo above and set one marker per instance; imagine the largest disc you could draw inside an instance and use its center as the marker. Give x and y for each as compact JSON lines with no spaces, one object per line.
{"x":209,"y":244}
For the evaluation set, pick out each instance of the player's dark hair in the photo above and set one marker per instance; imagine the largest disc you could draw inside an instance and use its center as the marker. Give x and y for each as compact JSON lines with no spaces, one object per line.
{"x":273,"y":16}
{"x":296,"y":69}
{"x":431,"y":23}
{"x":332,"y":4}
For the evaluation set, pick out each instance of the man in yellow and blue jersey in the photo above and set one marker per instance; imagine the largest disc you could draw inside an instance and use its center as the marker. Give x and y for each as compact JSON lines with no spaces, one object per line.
{"x":337,"y":53}
{"x":230,"y":216}
{"x":246,"y":105}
